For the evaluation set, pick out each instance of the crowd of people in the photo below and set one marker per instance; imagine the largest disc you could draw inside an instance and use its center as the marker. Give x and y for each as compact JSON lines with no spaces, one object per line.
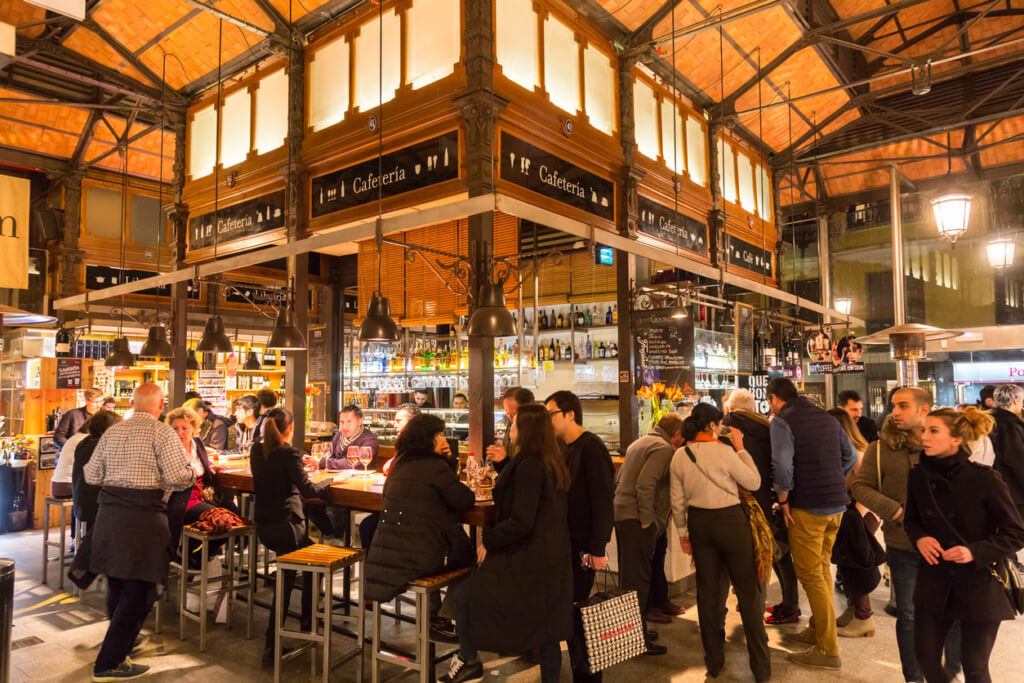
{"x":824,"y":480}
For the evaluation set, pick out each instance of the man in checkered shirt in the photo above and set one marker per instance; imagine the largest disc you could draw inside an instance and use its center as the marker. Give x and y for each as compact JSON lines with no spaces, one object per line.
{"x":138,"y":463}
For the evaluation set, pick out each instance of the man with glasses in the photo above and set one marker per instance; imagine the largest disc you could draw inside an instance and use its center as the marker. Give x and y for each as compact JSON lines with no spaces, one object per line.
{"x":591,"y":513}
{"x":72,"y":421}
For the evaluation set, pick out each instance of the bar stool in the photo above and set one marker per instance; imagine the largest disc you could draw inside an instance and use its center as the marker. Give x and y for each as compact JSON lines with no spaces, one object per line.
{"x":323,"y":562}
{"x":246,"y":506}
{"x":65,"y":505}
{"x":227,"y":584}
{"x":424,"y":660}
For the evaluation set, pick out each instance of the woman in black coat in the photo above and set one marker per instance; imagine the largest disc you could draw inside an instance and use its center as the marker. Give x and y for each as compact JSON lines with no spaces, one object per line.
{"x":960,"y":516}
{"x":519,"y":598}
{"x":86,"y":496}
{"x":279,"y":485}
{"x":419,"y":532}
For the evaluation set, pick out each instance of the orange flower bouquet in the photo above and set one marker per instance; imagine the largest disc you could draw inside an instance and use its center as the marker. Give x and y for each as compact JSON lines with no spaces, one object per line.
{"x":657,"y":394}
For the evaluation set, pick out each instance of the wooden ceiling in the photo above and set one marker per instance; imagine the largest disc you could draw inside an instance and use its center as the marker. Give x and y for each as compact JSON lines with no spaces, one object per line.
{"x":95,"y":88}
{"x":824,"y":85}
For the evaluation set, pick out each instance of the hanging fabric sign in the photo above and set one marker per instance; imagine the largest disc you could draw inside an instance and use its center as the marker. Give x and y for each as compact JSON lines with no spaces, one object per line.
{"x":241,"y":220}
{"x":546,"y":174}
{"x":672,"y":227}
{"x":410,"y":168}
{"x":14,"y":209}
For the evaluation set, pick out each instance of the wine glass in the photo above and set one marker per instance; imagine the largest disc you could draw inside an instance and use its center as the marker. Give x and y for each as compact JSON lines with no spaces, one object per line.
{"x":365,"y":457}
{"x":353,"y":456}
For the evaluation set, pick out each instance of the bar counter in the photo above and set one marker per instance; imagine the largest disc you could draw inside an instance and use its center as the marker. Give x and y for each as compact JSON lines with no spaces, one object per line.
{"x":355,"y":493}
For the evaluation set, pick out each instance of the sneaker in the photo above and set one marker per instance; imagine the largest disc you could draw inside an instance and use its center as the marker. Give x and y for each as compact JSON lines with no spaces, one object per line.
{"x":805,"y":637}
{"x":778,"y":617}
{"x":815,"y":658}
{"x":126,"y":670}
{"x":443,"y":631}
{"x":653,"y":649}
{"x":651,"y":635}
{"x":461,"y":672}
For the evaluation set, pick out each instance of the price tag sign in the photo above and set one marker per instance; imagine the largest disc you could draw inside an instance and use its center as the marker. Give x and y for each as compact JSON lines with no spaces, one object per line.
{"x":549,"y":365}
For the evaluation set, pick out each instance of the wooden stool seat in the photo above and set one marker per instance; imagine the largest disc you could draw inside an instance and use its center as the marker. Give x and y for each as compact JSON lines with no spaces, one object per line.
{"x":439,"y":580}
{"x":331,"y":558}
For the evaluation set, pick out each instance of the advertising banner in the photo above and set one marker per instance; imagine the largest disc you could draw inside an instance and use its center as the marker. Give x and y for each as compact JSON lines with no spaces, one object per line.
{"x":14,"y":210}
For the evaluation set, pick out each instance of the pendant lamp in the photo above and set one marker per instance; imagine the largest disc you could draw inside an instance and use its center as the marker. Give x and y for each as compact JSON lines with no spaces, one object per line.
{"x":215,"y":339}
{"x":286,"y":335}
{"x":156,"y":345}
{"x":191,"y":363}
{"x":252,"y":361}
{"x":378,"y":325}
{"x":120,"y":355}
{"x":491,"y":318}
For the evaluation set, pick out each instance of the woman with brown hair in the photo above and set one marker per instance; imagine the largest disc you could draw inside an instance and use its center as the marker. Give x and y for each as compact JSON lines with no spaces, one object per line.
{"x":856,"y":553}
{"x":962,"y":520}
{"x":519,"y":598}
{"x":279,"y":485}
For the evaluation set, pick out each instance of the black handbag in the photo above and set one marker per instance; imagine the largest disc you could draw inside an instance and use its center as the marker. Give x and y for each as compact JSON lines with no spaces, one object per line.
{"x":1005,"y":572}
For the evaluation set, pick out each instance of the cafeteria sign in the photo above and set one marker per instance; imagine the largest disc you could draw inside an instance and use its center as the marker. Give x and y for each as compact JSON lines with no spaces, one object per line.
{"x":672,"y":227}
{"x":14,"y":209}
{"x":241,"y":220}
{"x":410,"y":168}
{"x":546,"y":174}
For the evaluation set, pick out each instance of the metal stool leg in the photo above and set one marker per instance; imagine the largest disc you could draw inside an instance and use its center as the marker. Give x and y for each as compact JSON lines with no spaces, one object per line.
{"x":361,"y":626}
{"x":278,"y":618}
{"x":252,"y":580}
{"x":46,"y":539}
{"x":328,"y":625}
{"x":63,"y":546}
{"x":423,"y":657}
{"x":375,"y":673}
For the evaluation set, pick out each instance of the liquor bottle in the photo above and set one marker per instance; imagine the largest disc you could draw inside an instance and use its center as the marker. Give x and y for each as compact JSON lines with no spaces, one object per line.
{"x":596,"y":317}
{"x":551,"y":350}
{"x":590,"y":348}
{"x":587,"y":318}
{"x":608,"y":316}
{"x":561,"y":321}
{"x":581,"y":320}
{"x":615,"y":314}
{"x":62,"y":343}
{"x":601,"y":350}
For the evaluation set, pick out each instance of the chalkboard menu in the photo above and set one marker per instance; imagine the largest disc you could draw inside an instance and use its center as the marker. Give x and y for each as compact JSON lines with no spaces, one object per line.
{"x":664,"y":349}
{"x":672,"y":227}
{"x":69,"y":373}
{"x":749,"y":256}
{"x":551,"y":176}
{"x":241,"y":220}
{"x":316,"y":342}
{"x":410,"y":168}
{"x":744,"y":338}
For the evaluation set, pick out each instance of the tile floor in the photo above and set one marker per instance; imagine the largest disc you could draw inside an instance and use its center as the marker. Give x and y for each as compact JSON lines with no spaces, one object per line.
{"x":57,"y":637}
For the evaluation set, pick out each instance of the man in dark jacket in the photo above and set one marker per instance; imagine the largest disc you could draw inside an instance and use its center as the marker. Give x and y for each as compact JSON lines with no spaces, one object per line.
{"x":213,"y":429}
{"x":591,"y":514}
{"x":851,"y":402}
{"x":72,"y":420}
{"x":642,"y":509}
{"x":881,"y":486}
{"x":1008,"y":439}
{"x":811,"y":456}
{"x":741,"y":412}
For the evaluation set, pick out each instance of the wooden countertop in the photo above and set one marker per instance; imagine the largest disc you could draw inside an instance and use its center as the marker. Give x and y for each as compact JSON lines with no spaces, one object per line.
{"x":356,"y":493}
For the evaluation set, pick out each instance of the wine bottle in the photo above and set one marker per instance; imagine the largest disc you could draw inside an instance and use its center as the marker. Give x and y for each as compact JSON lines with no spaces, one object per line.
{"x":561,"y":321}
{"x":608,"y":316}
{"x":590,"y":348}
{"x":615,"y":314}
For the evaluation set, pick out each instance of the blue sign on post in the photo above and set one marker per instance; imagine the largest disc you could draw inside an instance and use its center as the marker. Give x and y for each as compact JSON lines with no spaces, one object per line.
{"x":603,"y":255}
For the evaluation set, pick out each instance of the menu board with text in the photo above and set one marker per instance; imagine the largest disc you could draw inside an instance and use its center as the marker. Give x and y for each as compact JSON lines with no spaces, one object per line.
{"x":664,"y":349}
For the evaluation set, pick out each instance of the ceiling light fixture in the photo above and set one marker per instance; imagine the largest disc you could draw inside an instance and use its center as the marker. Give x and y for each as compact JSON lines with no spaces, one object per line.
{"x":1000,"y":253}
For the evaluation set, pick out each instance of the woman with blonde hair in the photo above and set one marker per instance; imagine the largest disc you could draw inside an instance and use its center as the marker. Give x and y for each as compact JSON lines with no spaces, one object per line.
{"x":856,"y":553}
{"x":964,"y":524}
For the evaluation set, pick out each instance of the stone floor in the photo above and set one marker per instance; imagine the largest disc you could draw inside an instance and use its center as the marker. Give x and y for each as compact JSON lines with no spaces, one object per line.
{"x":56,"y":637}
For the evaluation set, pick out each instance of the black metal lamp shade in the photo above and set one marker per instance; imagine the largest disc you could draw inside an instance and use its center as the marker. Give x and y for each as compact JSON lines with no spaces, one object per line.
{"x":378,"y":325}
{"x":491,"y":318}
{"x":156,"y":345}
{"x":252,"y":362}
{"x":286,"y":335}
{"x":191,"y":363}
{"x":215,"y":339}
{"x":120,"y":355}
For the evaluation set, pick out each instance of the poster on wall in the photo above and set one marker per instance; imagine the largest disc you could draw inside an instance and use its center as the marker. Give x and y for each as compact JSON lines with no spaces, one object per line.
{"x":69,"y":373}
{"x":14,"y":214}
{"x":757,"y":384}
{"x":837,"y":357}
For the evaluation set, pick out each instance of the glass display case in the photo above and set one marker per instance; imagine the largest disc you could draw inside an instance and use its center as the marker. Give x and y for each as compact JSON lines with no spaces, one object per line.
{"x":381,"y":421}
{"x":714,"y":359}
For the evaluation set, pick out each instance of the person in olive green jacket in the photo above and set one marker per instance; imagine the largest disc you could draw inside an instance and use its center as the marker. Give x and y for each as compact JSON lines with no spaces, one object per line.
{"x":881,"y":486}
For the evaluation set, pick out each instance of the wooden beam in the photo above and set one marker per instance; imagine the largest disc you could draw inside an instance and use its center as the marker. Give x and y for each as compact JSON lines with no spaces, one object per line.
{"x":23,"y":158}
{"x":132,"y":58}
{"x":122,"y":143}
{"x":85,"y":138}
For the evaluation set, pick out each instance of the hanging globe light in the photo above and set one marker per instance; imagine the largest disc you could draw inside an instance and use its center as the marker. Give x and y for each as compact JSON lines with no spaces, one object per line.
{"x":952,"y":214}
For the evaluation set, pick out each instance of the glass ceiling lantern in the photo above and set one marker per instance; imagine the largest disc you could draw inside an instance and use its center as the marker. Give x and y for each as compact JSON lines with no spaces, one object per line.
{"x":952,"y":214}
{"x":1000,"y":253}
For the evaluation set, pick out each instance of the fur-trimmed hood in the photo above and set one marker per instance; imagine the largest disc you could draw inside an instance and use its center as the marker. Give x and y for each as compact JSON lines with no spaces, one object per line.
{"x":895,"y":438}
